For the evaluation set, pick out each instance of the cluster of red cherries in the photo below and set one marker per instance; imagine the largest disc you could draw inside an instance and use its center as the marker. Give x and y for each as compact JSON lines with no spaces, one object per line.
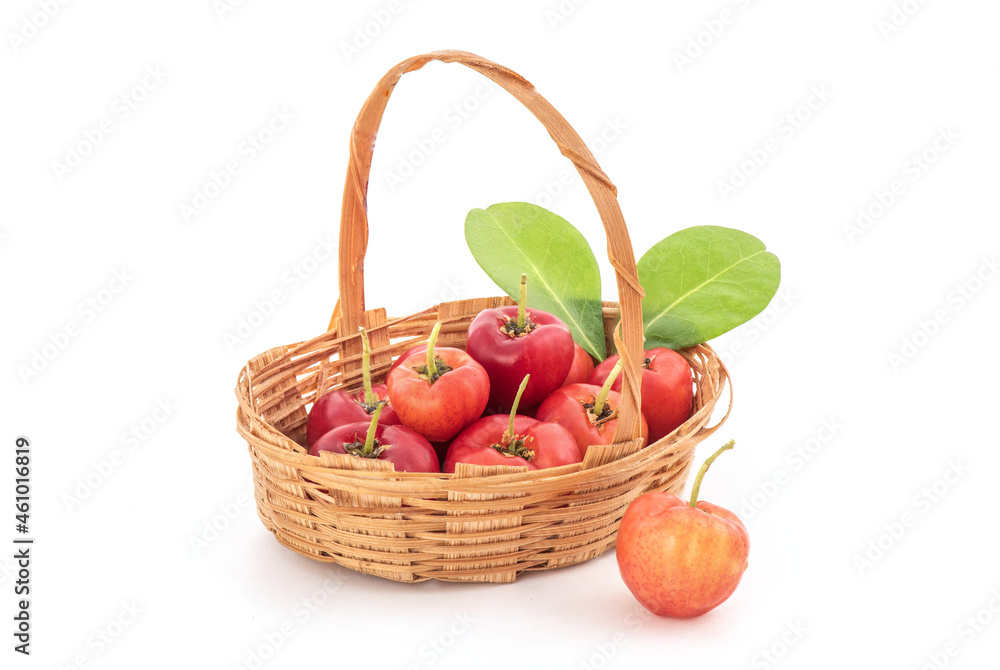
{"x":521,"y":393}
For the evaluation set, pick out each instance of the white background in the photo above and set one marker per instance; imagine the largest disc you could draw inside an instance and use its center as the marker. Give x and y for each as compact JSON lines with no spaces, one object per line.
{"x":871,"y":362}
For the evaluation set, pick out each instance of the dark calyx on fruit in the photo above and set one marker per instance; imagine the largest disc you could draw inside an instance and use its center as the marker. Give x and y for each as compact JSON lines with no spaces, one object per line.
{"x":358,"y":448}
{"x":509,"y":327}
{"x":440,"y":369}
{"x":515,"y":446}
{"x":369,"y":408}
{"x":597,"y":418}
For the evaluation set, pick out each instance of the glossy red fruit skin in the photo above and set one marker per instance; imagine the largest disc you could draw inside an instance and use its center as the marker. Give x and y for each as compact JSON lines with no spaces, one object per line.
{"x":565,"y":407}
{"x":677,"y":560}
{"x":338,"y":408}
{"x":667,"y":389}
{"x":581,"y":368}
{"x":553,"y":444}
{"x":408,"y":450}
{"x":546,"y":353}
{"x":440,"y":410}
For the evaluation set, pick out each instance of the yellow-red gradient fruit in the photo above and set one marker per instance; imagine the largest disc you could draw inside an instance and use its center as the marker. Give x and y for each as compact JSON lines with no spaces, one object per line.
{"x":678,"y":560}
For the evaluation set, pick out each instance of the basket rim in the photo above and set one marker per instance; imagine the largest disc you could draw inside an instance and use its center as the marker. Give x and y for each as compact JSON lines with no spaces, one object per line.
{"x":284,"y":449}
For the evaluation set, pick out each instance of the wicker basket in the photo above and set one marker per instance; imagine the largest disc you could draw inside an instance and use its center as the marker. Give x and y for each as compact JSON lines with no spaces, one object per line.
{"x":484,"y":524}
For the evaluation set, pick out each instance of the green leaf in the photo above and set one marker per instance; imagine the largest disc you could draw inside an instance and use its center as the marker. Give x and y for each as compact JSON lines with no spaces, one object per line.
{"x":702,"y":282}
{"x":512,"y":238}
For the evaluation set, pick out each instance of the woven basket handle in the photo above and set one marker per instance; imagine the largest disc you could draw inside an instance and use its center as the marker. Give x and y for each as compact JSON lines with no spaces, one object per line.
{"x":354,"y":214}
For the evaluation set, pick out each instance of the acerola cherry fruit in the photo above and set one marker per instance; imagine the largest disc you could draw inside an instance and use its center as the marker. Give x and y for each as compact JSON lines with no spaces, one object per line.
{"x":340,"y":407}
{"x":581,"y":368}
{"x":681,"y":559}
{"x":513,"y":440}
{"x":589,"y":412}
{"x":667,"y":389}
{"x":511,"y":342}
{"x":438,"y":392}
{"x":406,"y":449}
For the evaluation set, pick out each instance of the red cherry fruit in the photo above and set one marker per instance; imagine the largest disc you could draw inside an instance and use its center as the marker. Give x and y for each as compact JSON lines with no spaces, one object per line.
{"x":589,"y":412}
{"x":511,"y":342}
{"x":438,"y":392}
{"x":341,"y":407}
{"x":581,"y":368}
{"x":667,"y":390}
{"x":406,"y":449}
{"x":681,"y":559}
{"x":513,"y":440}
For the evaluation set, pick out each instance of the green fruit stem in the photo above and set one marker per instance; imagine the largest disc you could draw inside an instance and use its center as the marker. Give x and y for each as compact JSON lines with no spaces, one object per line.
{"x":602,"y":397}
{"x":704,"y":468}
{"x":372,"y":427}
{"x":366,"y":374}
{"x":522,"y":302}
{"x":432,"y":370}
{"x":517,"y":399}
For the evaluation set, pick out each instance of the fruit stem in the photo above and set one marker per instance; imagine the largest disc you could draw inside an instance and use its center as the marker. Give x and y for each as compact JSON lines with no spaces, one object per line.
{"x":431,"y":368}
{"x":372,"y":427}
{"x":517,"y":399}
{"x":522,"y":301}
{"x":366,"y":373}
{"x":602,"y":397}
{"x":704,"y":469}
